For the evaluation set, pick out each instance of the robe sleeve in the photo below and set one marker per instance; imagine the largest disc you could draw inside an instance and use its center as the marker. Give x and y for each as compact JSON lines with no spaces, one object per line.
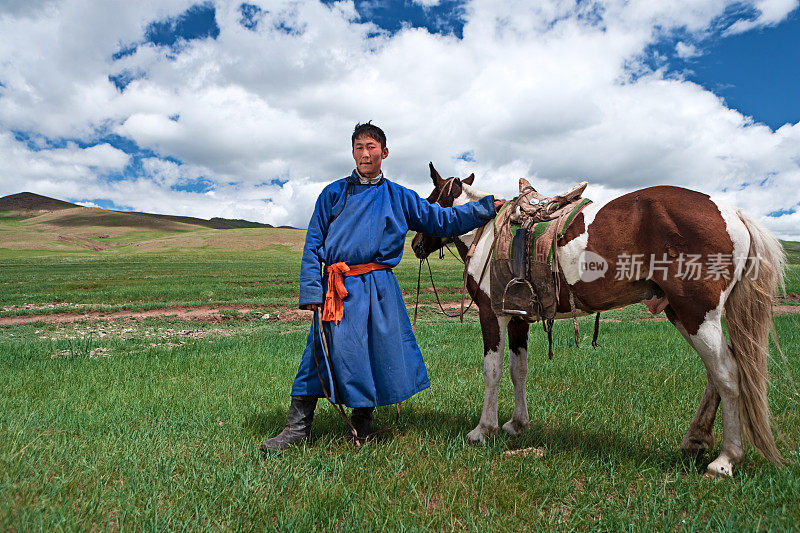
{"x":439,"y":221}
{"x":311,"y":262}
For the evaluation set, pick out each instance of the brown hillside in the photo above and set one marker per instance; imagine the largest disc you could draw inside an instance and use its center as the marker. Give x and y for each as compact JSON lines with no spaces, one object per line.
{"x":83,"y":217}
{"x":214,"y":223}
{"x":27,"y":205}
{"x":28,"y":201}
{"x":33,"y":222}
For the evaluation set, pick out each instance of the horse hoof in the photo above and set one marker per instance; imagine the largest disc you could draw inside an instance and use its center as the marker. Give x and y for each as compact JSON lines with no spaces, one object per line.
{"x":696,"y":445}
{"x":477,"y":435}
{"x":514,"y":428}
{"x":719,"y":470}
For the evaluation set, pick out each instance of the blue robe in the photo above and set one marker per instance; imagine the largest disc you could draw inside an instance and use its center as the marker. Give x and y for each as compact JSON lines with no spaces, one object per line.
{"x":376,"y":360}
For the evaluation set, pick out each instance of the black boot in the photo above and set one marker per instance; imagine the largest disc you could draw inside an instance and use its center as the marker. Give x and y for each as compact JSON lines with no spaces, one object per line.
{"x":361,"y":418}
{"x":298,"y":428}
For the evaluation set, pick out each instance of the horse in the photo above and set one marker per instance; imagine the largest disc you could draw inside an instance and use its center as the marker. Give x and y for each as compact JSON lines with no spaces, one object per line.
{"x":662,"y":226}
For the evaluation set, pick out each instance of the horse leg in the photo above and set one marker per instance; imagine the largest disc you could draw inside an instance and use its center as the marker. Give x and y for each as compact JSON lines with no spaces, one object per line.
{"x":518,"y":349}
{"x":723,"y":373}
{"x":494,"y":332}
{"x":699,"y":436}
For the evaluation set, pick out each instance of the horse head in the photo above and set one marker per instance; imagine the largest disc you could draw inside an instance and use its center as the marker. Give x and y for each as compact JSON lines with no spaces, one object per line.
{"x":444,"y":194}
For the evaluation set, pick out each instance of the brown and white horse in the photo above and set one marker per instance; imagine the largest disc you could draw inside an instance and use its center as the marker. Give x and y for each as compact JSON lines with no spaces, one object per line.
{"x":736,"y":267}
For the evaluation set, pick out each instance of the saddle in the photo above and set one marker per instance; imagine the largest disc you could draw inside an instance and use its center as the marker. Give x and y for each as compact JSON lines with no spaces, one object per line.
{"x":524,"y":268}
{"x":539,"y":208}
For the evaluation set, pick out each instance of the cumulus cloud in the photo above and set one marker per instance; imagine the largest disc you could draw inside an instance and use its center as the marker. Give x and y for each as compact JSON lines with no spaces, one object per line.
{"x":769,"y":13}
{"x":556,"y":91}
{"x":686,"y":50}
{"x":23,"y":163}
{"x":88,"y":204}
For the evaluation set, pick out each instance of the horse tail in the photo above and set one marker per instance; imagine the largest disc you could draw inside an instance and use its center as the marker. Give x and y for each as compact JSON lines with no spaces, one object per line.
{"x":749,"y":320}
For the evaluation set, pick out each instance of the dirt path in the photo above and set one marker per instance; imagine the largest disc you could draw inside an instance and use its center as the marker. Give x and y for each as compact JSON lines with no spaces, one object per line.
{"x":786,"y":309}
{"x":219,"y":314}
{"x":200,"y":313}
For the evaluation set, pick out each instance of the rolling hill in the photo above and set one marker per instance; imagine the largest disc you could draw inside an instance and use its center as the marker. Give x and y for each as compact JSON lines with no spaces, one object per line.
{"x":33,"y":221}
{"x":28,"y":205}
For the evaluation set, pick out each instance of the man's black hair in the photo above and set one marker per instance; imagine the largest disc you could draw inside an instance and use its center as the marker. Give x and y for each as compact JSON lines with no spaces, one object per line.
{"x":369,"y":130}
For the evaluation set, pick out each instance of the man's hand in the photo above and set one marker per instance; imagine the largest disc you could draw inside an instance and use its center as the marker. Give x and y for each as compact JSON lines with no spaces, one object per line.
{"x":310,"y":307}
{"x":498,"y":204}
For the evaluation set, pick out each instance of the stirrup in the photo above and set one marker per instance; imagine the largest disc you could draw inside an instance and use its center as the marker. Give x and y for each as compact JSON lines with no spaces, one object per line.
{"x":516,"y":312}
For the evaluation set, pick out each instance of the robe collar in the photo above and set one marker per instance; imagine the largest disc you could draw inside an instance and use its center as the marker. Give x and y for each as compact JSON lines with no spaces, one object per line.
{"x":357,"y":179}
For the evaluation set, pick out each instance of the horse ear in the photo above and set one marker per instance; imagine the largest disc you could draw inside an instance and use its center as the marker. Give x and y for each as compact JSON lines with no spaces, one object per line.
{"x":438,"y":182}
{"x":470,"y":179}
{"x":524,"y":185}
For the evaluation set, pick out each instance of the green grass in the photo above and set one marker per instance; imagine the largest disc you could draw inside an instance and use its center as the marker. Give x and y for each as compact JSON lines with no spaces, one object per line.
{"x":6,"y":217}
{"x":145,"y":281}
{"x":155,"y":424}
{"x":139,"y":236}
{"x":792,"y":249}
{"x":793,"y":271}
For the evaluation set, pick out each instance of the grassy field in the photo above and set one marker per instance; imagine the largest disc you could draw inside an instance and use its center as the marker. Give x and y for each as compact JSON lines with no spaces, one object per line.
{"x":155,"y":423}
{"x":793,"y":270}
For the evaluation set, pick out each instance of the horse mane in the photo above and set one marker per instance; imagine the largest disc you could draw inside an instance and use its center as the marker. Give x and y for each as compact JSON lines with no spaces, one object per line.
{"x":470,"y":194}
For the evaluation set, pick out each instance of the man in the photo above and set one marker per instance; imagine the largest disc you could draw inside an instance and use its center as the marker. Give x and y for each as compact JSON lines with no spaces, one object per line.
{"x":358,"y":231}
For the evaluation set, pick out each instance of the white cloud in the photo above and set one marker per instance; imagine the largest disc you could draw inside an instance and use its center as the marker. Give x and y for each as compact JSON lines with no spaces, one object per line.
{"x":26,"y":8}
{"x":770,"y":12}
{"x":686,"y":50}
{"x":538,"y":89}
{"x":22,"y":164}
{"x":88,"y":204}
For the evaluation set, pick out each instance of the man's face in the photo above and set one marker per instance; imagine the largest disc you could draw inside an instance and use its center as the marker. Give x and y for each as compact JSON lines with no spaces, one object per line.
{"x":368,"y":155}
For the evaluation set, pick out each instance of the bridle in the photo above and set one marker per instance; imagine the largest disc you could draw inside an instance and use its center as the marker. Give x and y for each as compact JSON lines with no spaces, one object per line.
{"x":448,"y":187}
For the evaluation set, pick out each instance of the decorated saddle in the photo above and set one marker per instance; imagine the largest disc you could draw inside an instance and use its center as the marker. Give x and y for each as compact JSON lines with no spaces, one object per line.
{"x":524,"y":266}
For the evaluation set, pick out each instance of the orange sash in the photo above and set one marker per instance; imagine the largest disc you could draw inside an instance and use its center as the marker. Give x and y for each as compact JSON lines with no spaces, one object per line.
{"x":334,"y":298}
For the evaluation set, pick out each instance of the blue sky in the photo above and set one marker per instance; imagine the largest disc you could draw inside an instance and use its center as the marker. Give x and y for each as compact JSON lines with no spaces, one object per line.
{"x":757,"y":72}
{"x":446,"y":17}
{"x":243,"y":110}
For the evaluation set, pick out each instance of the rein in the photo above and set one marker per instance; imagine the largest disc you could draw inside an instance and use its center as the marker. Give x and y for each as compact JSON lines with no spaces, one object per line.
{"x":435,"y":292}
{"x":466,"y":261}
{"x":470,"y":252}
{"x":446,"y":246}
{"x":317,"y":323}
